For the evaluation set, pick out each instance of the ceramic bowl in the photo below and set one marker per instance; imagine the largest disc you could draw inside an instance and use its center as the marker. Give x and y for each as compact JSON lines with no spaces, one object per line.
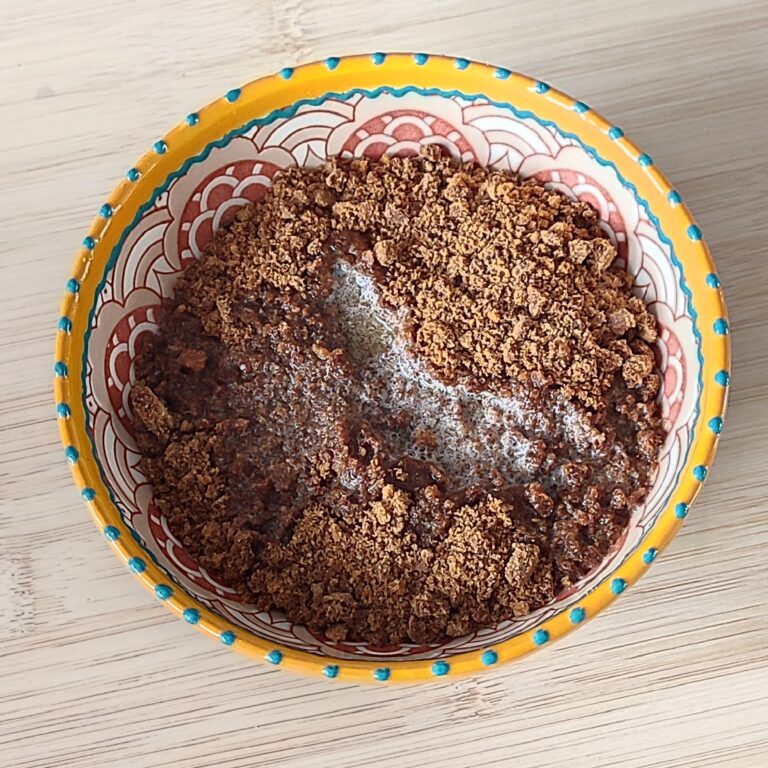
{"x":160,"y":217}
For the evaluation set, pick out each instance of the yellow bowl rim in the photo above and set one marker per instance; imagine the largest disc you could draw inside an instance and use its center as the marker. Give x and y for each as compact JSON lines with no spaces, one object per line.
{"x":396,"y":71}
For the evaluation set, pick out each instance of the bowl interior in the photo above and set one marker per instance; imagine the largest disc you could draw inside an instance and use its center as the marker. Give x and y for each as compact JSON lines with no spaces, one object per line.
{"x":172,"y":226}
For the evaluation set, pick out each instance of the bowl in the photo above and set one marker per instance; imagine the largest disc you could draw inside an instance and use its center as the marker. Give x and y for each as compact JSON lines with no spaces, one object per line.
{"x":161,"y":215}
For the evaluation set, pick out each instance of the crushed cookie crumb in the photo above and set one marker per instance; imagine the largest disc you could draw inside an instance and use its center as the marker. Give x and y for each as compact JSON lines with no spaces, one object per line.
{"x":401,"y":400}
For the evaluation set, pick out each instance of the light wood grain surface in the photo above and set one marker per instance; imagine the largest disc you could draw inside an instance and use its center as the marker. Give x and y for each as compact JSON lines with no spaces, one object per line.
{"x":94,"y":672}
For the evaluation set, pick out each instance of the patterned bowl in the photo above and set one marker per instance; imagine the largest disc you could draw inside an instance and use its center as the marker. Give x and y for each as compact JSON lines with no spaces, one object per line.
{"x":160,"y":217}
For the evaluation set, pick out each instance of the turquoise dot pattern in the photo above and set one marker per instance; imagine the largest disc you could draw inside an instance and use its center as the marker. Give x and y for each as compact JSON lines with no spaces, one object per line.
{"x":649,"y":555}
{"x":111,"y":532}
{"x":163,"y":591}
{"x":618,"y":586}
{"x":440,"y":668}
{"x":715,"y":424}
{"x":577,"y":615}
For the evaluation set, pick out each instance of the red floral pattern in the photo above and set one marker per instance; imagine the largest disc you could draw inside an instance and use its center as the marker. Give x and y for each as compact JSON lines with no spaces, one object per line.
{"x":182,"y":220}
{"x":402,"y":132}
{"x":118,"y":360}
{"x":216,"y":200}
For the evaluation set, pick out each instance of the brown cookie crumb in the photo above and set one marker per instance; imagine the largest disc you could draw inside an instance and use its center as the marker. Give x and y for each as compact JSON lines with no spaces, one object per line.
{"x":151,"y":411}
{"x":401,"y":400}
{"x":194,"y":359}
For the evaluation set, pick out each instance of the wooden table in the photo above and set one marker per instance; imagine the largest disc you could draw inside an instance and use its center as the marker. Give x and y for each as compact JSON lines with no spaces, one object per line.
{"x":94,"y":672}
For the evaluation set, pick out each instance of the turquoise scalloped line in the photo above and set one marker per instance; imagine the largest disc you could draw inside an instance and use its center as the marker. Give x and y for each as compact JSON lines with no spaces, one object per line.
{"x":373,"y":94}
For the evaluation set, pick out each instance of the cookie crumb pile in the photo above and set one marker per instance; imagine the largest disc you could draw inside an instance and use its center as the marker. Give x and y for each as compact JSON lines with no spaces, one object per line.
{"x":401,"y":400}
